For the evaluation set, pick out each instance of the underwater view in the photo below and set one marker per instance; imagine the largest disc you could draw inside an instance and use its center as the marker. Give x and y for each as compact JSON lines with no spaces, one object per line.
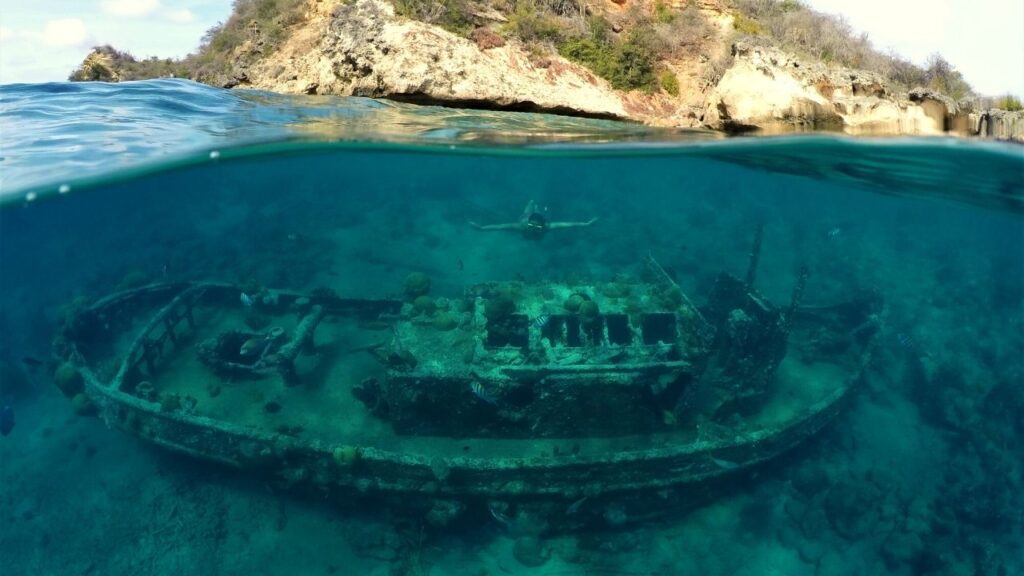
{"x":246,"y":333}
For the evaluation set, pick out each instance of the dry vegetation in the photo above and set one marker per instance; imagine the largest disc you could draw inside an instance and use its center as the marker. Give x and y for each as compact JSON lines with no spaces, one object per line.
{"x":830,"y":39}
{"x":628,"y":54}
{"x":631,"y":52}
{"x":261,"y":23}
{"x":452,"y":15}
{"x":1009,"y":102}
{"x":633,"y":59}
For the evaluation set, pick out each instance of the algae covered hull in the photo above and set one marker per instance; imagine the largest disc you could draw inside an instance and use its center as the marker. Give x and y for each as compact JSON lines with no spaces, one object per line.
{"x":604,"y":402}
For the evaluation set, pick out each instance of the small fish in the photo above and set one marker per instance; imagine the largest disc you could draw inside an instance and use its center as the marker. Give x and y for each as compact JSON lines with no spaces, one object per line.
{"x":907,"y":342}
{"x":575,"y":506}
{"x":251,"y":346}
{"x":247,"y":300}
{"x":461,"y":265}
{"x":835,"y":233}
{"x":481,"y":393}
{"x":32,"y":362}
{"x":501,"y":517}
{"x":724,"y":464}
{"x":6,"y":419}
{"x":541,"y":321}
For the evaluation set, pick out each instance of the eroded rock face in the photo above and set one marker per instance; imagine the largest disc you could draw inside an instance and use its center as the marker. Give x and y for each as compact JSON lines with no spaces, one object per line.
{"x":997,"y":124}
{"x":766,"y":88}
{"x":769,"y":89}
{"x":363,"y":49}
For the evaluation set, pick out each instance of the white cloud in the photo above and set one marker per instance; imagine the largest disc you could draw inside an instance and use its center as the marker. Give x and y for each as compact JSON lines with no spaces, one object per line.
{"x":130,"y":8}
{"x":145,"y":8}
{"x":33,"y":56}
{"x":183,"y":16}
{"x":65,"y":32}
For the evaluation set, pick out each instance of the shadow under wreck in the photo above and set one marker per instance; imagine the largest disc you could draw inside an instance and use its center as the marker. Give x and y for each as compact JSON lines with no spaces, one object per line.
{"x":549,"y":405}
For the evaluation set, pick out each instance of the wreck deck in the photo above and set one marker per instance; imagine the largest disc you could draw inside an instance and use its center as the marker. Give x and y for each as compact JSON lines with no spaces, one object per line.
{"x":323,"y":414}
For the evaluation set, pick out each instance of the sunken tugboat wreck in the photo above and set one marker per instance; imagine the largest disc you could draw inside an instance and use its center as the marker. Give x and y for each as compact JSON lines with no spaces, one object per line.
{"x":553,"y":404}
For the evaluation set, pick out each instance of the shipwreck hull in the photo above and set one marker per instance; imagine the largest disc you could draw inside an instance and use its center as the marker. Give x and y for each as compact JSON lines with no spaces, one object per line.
{"x":382,"y":470}
{"x":143,"y":387}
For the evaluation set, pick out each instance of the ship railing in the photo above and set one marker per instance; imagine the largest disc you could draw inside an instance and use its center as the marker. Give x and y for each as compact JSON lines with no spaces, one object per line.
{"x":149,"y":347}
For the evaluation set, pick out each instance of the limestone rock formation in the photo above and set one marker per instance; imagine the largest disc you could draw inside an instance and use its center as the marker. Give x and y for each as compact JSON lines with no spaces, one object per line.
{"x":997,"y":124}
{"x":361,"y":48}
{"x":771,"y":90}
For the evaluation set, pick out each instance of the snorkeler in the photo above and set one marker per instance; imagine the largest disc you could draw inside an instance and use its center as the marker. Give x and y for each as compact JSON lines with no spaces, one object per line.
{"x":533,"y":223}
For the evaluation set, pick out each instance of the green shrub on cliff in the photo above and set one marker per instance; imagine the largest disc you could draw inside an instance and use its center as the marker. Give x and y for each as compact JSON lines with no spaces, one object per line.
{"x":452,"y":15}
{"x":627,"y":64}
{"x":531,"y":24}
{"x":663,"y":13}
{"x":746,"y":25}
{"x":1010,"y":103}
{"x":668,"y":82}
{"x":262,"y":23}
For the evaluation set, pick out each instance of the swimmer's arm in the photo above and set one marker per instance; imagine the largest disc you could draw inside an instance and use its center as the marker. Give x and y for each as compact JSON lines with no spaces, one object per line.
{"x":509,"y":226}
{"x":554,"y":225}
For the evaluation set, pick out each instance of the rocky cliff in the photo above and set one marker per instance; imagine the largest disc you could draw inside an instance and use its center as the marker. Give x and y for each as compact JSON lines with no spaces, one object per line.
{"x":771,"y":90}
{"x":362,"y":47}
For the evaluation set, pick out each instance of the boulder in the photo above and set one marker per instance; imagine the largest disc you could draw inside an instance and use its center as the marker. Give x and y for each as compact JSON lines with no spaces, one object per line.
{"x":765,"y":88}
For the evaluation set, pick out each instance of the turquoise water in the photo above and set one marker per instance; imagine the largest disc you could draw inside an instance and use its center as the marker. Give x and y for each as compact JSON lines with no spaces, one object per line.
{"x":106,"y":187}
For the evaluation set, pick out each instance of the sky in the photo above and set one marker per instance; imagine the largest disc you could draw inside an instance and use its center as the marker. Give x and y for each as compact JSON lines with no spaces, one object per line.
{"x":984,"y":39}
{"x":44,"y":40}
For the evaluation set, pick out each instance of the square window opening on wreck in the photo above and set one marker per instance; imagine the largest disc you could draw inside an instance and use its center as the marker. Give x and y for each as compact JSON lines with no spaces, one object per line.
{"x":659,"y":328}
{"x":570,"y":331}
{"x":511,"y":331}
{"x":618,"y":329}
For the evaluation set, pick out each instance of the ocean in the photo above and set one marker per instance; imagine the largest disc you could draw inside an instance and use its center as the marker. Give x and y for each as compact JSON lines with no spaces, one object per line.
{"x":543,"y":345}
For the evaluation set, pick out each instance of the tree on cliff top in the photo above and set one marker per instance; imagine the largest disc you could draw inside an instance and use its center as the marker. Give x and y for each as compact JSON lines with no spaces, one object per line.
{"x":830,"y":39}
{"x":107,"y":64}
{"x":941,"y":76}
{"x":255,"y":29}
